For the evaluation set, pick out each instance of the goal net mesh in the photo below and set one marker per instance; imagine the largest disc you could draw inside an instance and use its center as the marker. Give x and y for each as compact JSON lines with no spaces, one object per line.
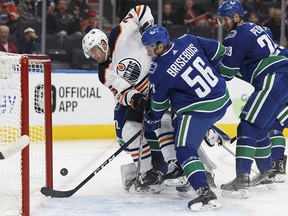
{"x":11,"y":124}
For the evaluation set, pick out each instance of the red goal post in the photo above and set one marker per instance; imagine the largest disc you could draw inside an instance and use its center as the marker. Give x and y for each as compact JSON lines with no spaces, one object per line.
{"x":25,"y":109}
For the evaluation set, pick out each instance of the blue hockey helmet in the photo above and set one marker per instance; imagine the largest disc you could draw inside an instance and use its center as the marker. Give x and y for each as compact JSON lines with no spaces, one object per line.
{"x":154,"y":34}
{"x":268,"y":31}
{"x":230,"y":7}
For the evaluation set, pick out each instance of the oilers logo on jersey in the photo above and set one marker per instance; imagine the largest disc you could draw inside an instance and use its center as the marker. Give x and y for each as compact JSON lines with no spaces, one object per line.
{"x":129,"y":69}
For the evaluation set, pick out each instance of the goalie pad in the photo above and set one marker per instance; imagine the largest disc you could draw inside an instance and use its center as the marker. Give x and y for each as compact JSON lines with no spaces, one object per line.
{"x":209,"y":164}
{"x":128,"y":175}
{"x":14,"y":148}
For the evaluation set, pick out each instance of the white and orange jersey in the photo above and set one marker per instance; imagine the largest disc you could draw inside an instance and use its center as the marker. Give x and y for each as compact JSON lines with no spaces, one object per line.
{"x":125,"y":73}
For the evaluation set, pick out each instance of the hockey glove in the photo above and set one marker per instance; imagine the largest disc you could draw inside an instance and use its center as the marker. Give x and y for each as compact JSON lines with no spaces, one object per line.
{"x":212,"y":137}
{"x":139,"y":102}
{"x":145,"y":26}
{"x":215,"y":135}
{"x":151,"y":124}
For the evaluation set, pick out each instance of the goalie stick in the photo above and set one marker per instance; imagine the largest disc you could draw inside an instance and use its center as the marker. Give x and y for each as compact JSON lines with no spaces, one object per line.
{"x":14,"y":148}
{"x":64,"y":194}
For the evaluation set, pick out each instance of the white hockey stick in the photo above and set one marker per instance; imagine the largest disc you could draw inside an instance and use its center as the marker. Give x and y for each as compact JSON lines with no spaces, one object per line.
{"x":141,"y":143}
{"x":14,"y":148}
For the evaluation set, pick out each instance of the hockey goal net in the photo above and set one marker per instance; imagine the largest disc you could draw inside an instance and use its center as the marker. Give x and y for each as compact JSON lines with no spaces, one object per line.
{"x":25,"y":109}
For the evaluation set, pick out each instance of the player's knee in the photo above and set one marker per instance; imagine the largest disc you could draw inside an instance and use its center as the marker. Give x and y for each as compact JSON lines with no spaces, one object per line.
{"x":246,"y":129}
{"x":184,"y":154}
{"x":130,"y":129}
{"x":276,"y":129}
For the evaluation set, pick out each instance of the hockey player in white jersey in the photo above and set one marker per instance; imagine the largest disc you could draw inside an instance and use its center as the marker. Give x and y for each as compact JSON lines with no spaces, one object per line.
{"x":123,"y":68}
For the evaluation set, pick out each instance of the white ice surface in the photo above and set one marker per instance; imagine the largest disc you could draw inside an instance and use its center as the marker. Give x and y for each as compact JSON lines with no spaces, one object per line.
{"x":103,"y":194}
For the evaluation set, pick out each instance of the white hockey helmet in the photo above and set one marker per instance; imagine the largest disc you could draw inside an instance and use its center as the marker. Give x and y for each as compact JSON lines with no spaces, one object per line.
{"x":93,"y":38}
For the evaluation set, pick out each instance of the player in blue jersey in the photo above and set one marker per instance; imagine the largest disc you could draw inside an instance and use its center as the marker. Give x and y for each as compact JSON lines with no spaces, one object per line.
{"x":250,"y":51}
{"x":278,"y":142}
{"x":182,"y":76}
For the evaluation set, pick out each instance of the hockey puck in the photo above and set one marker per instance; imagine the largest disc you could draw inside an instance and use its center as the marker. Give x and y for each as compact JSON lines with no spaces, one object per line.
{"x":63,"y":171}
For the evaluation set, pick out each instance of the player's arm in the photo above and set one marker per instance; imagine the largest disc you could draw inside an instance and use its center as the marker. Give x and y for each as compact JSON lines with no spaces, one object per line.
{"x":213,"y":49}
{"x":159,"y":100}
{"x":112,"y":80}
{"x":232,"y":59}
{"x":139,"y":17}
{"x":123,"y":91}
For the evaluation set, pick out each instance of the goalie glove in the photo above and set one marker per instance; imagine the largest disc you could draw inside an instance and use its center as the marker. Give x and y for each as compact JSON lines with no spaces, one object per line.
{"x":212,"y":137}
{"x":139,"y":102}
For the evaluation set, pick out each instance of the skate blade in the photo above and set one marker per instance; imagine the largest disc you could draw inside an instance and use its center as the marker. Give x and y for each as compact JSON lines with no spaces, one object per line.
{"x":150,"y":189}
{"x":211,"y":205}
{"x":190,"y":193}
{"x":177,"y":182}
{"x":240,"y":194}
{"x":279,"y":178}
{"x":128,"y":184}
{"x":270,"y":187}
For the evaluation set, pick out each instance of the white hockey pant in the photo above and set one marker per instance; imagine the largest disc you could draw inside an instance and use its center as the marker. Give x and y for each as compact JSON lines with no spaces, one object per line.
{"x":129,"y":130}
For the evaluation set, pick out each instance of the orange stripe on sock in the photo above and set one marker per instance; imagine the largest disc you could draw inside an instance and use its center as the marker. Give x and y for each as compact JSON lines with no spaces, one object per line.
{"x":165,"y":139}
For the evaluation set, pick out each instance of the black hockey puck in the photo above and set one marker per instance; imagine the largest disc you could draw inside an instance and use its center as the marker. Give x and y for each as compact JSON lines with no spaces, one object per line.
{"x":63,"y":171}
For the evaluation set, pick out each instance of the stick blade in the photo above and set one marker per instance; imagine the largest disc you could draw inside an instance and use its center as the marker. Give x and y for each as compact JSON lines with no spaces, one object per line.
{"x":55,"y":193}
{"x":16,"y":147}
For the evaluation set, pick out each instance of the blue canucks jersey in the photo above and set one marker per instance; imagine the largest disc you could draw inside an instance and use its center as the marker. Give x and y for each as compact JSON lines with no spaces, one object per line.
{"x":249,"y":47}
{"x":184,"y":76}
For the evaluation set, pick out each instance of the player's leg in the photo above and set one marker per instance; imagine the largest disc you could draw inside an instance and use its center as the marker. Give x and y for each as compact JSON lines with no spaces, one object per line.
{"x":150,"y":178}
{"x":278,"y":145}
{"x":245,"y":153}
{"x":263,"y":161}
{"x":259,"y":112}
{"x":268,"y":114}
{"x":165,"y":134}
{"x":190,"y":134}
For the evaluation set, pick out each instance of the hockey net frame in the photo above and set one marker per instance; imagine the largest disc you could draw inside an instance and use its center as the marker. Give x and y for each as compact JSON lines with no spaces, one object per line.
{"x":26,"y":62}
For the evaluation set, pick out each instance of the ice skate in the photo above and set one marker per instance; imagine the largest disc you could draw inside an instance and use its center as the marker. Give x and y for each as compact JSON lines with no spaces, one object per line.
{"x":237,"y":188}
{"x":279,"y":169}
{"x":186,"y":191}
{"x":206,"y":200}
{"x":210,"y":178}
{"x":175,"y":175}
{"x":263,"y":180}
{"x":149,"y":182}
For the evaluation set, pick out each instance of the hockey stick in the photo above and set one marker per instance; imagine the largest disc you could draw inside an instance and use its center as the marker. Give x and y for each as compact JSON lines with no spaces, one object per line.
{"x":227,"y":138}
{"x":140,"y":153}
{"x":232,"y":153}
{"x":64,"y":194}
{"x":14,"y":148}
{"x":141,"y":144}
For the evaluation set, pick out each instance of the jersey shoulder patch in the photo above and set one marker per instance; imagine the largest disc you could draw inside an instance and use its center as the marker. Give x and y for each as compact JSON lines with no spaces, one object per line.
{"x":153,"y":68}
{"x":231,"y":34}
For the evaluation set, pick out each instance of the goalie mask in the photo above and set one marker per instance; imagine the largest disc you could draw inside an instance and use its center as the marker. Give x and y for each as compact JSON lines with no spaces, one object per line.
{"x":93,"y":38}
{"x":155,"y":34}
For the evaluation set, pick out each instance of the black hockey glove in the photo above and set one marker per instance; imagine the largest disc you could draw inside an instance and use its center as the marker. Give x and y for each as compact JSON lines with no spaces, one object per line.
{"x":139,"y":102}
{"x":145,"y":26}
